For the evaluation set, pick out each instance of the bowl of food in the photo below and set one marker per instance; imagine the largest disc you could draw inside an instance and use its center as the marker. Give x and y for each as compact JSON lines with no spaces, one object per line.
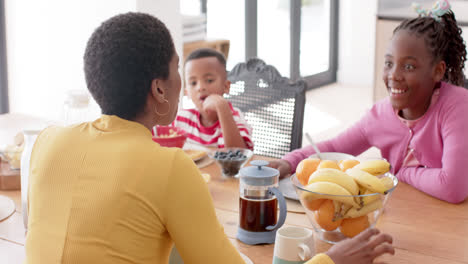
{"x":168,"y":136}
{"x":341,"y":203}
{"x":231,"y":159}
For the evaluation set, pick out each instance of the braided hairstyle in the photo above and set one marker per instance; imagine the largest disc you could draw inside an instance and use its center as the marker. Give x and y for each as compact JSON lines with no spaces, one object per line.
{"x":443,"y":39}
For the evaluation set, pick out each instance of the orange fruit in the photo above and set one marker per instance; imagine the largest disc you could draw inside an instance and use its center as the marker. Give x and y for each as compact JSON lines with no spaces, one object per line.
{"x":305,"y":168}
{"x":353,"y":226}
{"x":328,"y":164}
{"x":313,"y":205}
{"x":348,"y":164}
{"x":324,"y":216}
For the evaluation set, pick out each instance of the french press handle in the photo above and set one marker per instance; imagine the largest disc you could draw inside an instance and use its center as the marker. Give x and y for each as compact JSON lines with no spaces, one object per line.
{"x":282,"y":207}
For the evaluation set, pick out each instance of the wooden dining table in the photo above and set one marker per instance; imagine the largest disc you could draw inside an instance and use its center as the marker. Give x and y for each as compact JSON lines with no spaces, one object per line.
{"x":424,"y":229}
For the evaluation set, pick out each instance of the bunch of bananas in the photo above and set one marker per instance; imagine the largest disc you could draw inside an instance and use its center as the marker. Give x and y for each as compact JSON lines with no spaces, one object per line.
{"x":346,"y":189}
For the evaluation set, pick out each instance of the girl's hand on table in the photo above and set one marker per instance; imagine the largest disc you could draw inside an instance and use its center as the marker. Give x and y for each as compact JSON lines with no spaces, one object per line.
{"x":362,"y":249}
{"x":281,"y":165}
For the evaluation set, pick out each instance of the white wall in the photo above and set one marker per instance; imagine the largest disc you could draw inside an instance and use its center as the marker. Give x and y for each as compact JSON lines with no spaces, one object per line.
{"x":169,"y":13}
{"x":357,"y":42}
{"x":46,"y":42}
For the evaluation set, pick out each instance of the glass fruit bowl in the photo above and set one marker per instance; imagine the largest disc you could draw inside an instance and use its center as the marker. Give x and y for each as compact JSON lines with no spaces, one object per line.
{"x":336,"y":217}
{"x":231,"y":159}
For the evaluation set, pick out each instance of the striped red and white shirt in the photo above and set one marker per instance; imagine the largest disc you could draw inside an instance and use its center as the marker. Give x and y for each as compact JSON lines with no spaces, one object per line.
{"x":212,"y":136}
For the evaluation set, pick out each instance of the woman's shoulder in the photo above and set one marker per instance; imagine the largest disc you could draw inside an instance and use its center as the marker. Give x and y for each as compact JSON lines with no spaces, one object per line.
{"x":171,"y":155}
{"x":56,"y":133}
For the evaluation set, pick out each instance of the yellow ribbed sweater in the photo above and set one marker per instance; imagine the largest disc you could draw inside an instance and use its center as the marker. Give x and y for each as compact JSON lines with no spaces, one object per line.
{"x":104,"y":192}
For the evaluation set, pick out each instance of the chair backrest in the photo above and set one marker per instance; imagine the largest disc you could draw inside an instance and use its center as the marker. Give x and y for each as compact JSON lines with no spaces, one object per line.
{"x":272,"y":105}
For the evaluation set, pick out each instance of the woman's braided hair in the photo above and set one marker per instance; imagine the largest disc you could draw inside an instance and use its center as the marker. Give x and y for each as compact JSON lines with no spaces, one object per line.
{"x":443,"y":39}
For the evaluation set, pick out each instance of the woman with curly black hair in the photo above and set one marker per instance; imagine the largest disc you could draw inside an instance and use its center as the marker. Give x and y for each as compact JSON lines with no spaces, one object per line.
{"x":103,"y":191}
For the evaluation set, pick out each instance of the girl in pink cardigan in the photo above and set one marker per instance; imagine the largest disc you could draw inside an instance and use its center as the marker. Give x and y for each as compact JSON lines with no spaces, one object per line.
{"x":422,"y":127}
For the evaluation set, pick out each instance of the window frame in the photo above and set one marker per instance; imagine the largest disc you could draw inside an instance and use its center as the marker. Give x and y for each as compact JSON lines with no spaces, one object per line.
{"x":315,"y":80}
{"x":4,"y":106}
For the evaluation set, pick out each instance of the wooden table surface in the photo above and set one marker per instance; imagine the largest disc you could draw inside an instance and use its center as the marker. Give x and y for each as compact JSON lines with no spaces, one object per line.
{"x":425,"y":230}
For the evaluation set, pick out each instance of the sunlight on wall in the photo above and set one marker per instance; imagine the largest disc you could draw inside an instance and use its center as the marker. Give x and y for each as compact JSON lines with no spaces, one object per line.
{"x":322,"y":121}
{"x":46,"y":42}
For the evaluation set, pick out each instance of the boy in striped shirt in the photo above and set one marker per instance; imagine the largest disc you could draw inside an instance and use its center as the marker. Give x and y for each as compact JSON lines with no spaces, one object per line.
{"x":214,"y":122}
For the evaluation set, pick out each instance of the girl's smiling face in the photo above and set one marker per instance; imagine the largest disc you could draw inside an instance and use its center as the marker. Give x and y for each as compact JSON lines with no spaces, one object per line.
{"x":411,"y":74}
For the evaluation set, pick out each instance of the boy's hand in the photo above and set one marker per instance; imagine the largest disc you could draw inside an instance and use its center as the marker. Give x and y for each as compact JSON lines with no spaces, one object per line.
{"x":281,"y":165}
{"x":361,"y":249}
{"x":211,"y":103}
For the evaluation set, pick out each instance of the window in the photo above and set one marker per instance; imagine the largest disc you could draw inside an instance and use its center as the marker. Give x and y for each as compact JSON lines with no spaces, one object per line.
{"x":298,"y":37}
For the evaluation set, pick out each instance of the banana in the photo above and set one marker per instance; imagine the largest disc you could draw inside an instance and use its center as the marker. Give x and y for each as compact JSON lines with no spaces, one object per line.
{"x":319,"y":190}
{"x":340,"y":210}
{"x":356,"y":212}
{"x":365,"y":200}
{"x":374,"y":167}
{"x":367,"y":180}
{"x":387,"y":182}
{"x":335,"y":176}
{"x":362,"y":189}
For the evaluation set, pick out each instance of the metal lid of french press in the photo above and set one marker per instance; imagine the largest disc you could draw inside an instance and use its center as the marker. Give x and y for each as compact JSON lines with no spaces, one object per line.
{"x":259,"y":174}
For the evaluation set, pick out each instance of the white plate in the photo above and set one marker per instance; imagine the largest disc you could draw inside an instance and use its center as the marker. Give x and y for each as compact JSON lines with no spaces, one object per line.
{"x":189,"y":146}
{"x":200,"y":158}
{"x":246,"y":259}
{"x":196,"y":150}
{"x":333,"y":156}
{"x":287,"y":188}
{"x":205,"y":161}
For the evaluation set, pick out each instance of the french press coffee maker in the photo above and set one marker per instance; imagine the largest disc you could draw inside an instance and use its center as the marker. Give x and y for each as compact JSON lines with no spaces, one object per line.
{"x":258,"y":204}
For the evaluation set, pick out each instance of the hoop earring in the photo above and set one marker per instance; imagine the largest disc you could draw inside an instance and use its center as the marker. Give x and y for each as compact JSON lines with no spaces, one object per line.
{"x":168,"y":108}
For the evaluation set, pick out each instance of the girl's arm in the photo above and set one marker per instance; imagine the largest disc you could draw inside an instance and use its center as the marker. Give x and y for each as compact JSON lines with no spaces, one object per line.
{"x":449,"y":183}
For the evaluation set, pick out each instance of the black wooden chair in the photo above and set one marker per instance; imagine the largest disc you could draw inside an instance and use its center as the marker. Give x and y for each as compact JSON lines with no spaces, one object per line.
{"x":272,"y":105}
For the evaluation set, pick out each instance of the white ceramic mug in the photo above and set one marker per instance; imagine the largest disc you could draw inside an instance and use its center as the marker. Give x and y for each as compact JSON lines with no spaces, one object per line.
{"x":293,"y":245}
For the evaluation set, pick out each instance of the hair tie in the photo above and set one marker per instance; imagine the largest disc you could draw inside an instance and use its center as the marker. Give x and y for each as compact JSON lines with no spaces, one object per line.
{"x":439,"y":9}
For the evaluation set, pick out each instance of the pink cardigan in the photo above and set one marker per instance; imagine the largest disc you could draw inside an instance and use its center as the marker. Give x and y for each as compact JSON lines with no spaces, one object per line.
{"x":439,"y":140}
